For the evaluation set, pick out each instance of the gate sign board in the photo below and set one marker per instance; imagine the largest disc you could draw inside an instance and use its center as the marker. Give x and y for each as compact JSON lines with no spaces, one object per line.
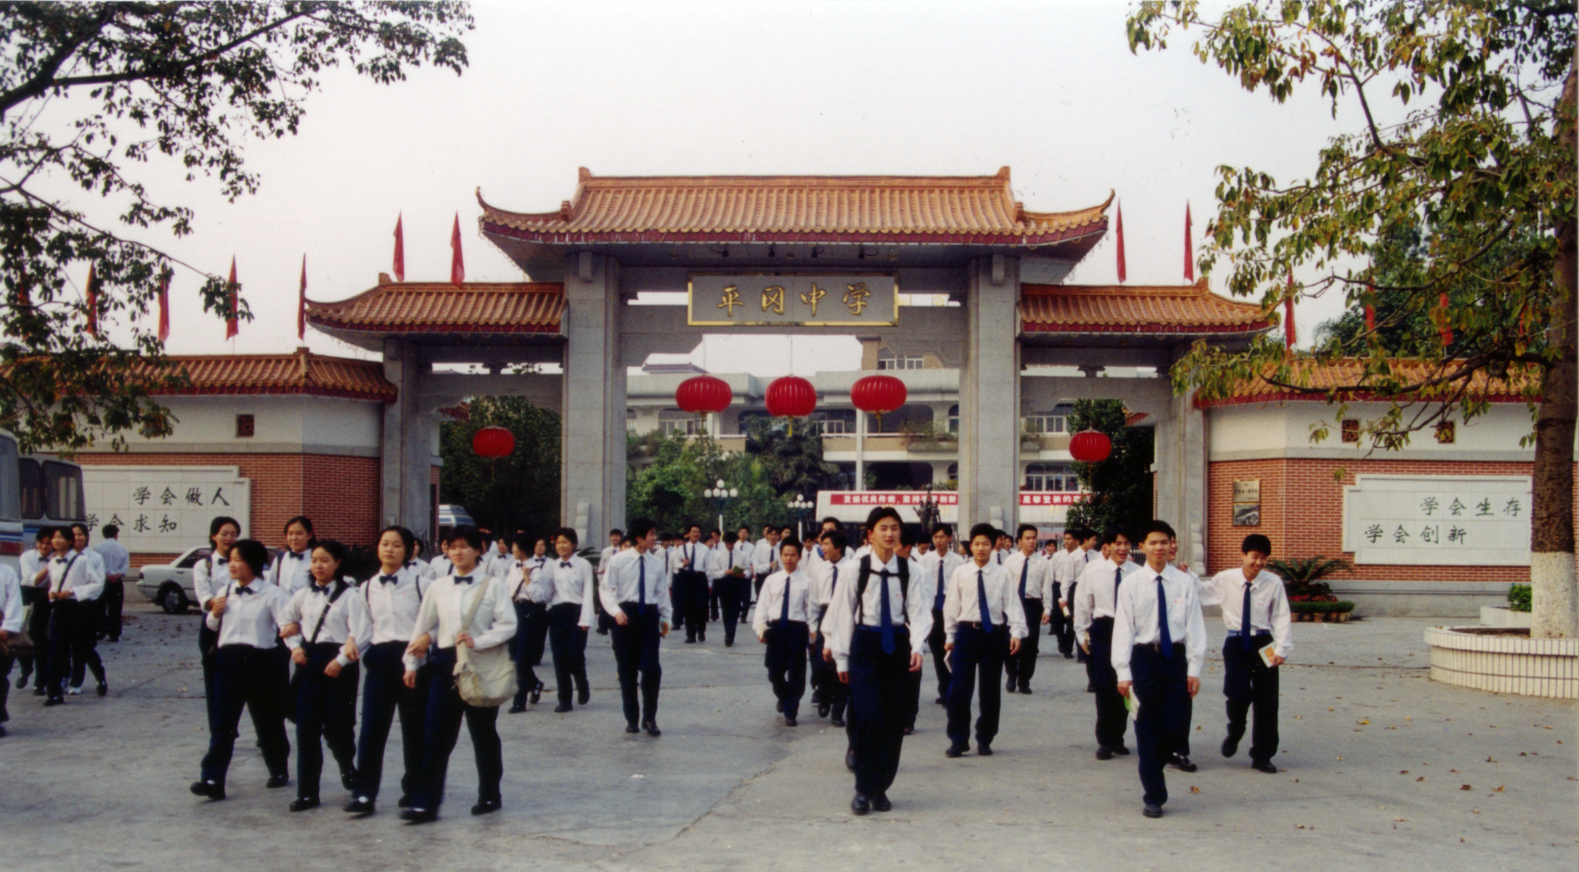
{"x":794,"y":299}
{"x":1438,"y":520}
{"x":165,"y":509}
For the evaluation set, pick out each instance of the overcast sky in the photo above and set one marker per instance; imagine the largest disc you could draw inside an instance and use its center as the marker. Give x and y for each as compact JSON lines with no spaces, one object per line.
{"x":1048,"y":89}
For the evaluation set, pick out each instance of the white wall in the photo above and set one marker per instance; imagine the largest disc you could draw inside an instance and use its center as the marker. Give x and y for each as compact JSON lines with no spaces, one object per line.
{"x":289,"y":424}
{"x":1251,"y":432}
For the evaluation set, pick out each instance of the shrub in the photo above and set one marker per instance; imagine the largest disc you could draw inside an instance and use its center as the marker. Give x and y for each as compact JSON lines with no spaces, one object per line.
{"x":1519,"y":597}
{"x":1336,"y":606}
{"x":1302,"y":577}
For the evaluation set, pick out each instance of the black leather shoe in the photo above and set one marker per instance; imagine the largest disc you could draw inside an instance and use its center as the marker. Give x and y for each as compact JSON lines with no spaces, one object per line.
{"x":701,"y":637}
{"x":823,"y":709}
{"x":983,"y":750}
{"x":22,"y":682}
{"x":849,"y":759}
{"x":420,"y":815}
{"x":941,"y":700}
{"x":348,"y":779}
{"x":38,"y":691}
{"x":404,"y":802}
{"x":517,"y":708}
{"x":277,"y":781}
{"x":1069,"y":656}
{"x":836,"y":722}
{"x":1090,"y":689}
{"x":1104,"y":753}
{"x":632,"y":728}
{"x":1152,"y":810}
{"x":690,"y":640}
{"x":778,"y":706}
{"x":1009,"y":685}
{"x":537,"y":693}
{"x":1231,"y":746}
{"x":1025,"y":688}
{"x":955,"y":751}
{"x":208,"y":789}
{"x":860,"y":804}
{"x":2,"y":731}
{"x":1122,"y":750}
{"x":302,"y":803}
{"x":880,"y":803}
{"x":487,"y":806}
{"x":562,"y":708}
{"x":54,"y":700}
{"x":1264,"y":766}
{"x":103,"y":688}
{"x":652,"y":729}
{"x":789,"y":721}
{"x":1182,"y":763}
{"x":360,"y":805}
{"x":910,"y":731}
{"x":583,"y":695}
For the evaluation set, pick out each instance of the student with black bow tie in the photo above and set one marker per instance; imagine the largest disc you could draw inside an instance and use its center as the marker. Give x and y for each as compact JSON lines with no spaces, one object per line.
{"x":74,"y":585}
{"x":209,"y":576}
{"x":292,"y":569}
{"x":439,"y":629}
{"x":246,"y":615}
{"x":567,"y":588}
{"x":531,"y":621}
{"x":636,"y":593}
{"x":397,"y":679}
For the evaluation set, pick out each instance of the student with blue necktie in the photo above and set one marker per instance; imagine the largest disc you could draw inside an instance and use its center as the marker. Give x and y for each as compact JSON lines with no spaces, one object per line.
{"x":1095,"y":605}
{"x":830,"y":694}
{"x":940,"y":563}
{"x":636,"y":593}
{"x":1159,"y":641}
{"x":982,"y":621}
{"x":691,"y":583}
{"x":1256,"y":614}
{"x":1032,"y":587}
{"x":783,"y":617}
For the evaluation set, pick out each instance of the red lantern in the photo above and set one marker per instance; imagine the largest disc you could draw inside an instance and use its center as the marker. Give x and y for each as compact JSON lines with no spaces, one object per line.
{"x":878,"y":394}
{"x":493,"y":442}
{"x":702,"y":394}
{"x":790,"y":397}
{"x":1090,"y":446}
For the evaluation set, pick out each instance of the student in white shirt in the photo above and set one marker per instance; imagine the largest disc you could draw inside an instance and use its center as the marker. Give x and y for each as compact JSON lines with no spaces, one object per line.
{"x":1095,"y":605}
{"x":836,"y":568}
{"x":714,"y":569}
{"x":877,"y":636}
{"x":499,"y":559}
{"x":1061,"y":609}
{"x":939,"y":564}
{"x":397,"y":679}
{"x":765,"y":560}
{"x":75,"y":580}
{"x":440,"y":566}
{"x":324,"y":616}
{"x":782,"y":623}
{"x":209,"y":576}
{"x":1032,"y":587}
{"x":246,"y":614}
{"x":292,"y":568}
{"x":689,"y":562}
{"x":1159,"y":642}
{"x":117,"y":562}
{"x":10,"y":625}
{"x":531,"y":615}
{"x":982,"y":621}
{"x":567,"y":587}
{"x":1256,"y":614}
{"x":635,"y":592}
{"x":33,"y":569}
{"x":737,"y":585}
{"x":605,"y":620}
{"x":439,"y":630}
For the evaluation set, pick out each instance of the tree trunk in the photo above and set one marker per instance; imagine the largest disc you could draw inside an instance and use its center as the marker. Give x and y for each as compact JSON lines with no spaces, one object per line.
{"x":1552,"y":577}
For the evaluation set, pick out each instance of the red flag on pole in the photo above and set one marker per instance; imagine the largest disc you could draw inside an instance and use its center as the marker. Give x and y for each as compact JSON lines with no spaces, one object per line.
{"x":164,"y":305}
{"x":1370,"y":310}
{"x":400,"y":249}
{"x":1447,"y":332}
{"x":92,"y":300}
{"x":301,"y":304}
{"x":1189,"y":259}
{"x":232,"y":324}
{"x":457,"y":265}
{"x":1288,"y":314}
{"x":1121,"y":275}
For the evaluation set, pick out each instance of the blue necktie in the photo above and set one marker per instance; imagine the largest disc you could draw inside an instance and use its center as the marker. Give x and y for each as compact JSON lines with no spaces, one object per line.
{"x":1244,"y":620}
{"x":641,"y":581}
{"x":1118,"y":579}
{"x":1025,"y":568}
{"x":834,"y":585}
{"x":937,"y":601}
{"x":1165,"y":636}
{"x":885,"y":616}
{"x":784,"y":613}
{"x":981,"y":602}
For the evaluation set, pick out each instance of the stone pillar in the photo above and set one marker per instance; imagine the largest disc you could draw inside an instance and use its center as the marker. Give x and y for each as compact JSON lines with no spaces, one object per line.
{"x":592,"y":474}
{"x":989,"y":389}
{"x":1181,"y":465}
{"x":406,"y":458}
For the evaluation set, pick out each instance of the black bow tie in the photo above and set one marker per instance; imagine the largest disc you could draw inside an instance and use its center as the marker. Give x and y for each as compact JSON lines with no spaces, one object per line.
{"x":299,"y":555}
{"x":60,"y":560}
{"x":319,"y":588}
{"x":245,"y":590}
{"x":222,"y":560}
{"x":388,"y":578}
{"x":463,"y":579}
{"x":520,"y":564}
{"x":565,"y":563}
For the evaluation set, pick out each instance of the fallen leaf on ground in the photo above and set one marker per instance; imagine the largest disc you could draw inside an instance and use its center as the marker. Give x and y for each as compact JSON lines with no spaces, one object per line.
{"x":1465,"y":787}
{"x":1498,"y":788}
{"x":1194,"y":789}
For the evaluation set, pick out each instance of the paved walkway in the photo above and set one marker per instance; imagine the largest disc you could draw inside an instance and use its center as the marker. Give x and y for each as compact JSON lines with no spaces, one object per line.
{"x":1384,"y":770}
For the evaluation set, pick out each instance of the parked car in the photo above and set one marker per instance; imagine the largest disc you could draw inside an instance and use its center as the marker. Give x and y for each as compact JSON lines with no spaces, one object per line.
{"x":169,"y":585}
{"x":452,"y":516}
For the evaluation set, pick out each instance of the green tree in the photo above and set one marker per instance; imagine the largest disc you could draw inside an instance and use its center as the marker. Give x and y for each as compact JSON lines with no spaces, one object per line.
{"x":669,"y":489}
{"x":1118,"y":488}
{"x":505,"y":494}
{"x":1483,"y":157}
{"x":793,"y":459}
{"x":89,"y":93}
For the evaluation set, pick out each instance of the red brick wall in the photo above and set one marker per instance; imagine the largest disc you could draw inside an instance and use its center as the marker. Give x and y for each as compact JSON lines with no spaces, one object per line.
{"x":1302,"y":513}
{"x":340,"y":494}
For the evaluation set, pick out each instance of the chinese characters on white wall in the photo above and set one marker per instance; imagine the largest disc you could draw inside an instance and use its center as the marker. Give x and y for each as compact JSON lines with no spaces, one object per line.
{"x":165,"y":508}
{"x":1438,"y":520}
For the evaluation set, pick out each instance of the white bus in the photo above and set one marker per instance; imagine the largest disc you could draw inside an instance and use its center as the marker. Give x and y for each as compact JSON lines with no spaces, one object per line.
{"x":35,"y":492}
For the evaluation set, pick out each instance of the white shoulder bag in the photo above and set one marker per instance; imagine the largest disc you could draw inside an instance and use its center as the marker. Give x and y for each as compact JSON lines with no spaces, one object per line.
{"x":484,"y":677}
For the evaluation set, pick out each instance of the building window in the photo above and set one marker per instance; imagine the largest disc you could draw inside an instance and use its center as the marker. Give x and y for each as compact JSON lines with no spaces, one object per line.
{"x":953,"y":418}
{"x":1351,"y":430}
{"x":1445,"y":434}
{"x":679,"y":422}
{"x":836,"y":422}
{"x":1054,"y":477}
{"x":1045,"y":424}
{"x":245,"y":427}
{"x":886,"y":359}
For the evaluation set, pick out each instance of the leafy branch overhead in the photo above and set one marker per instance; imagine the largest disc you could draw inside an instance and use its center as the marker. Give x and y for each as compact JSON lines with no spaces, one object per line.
{"x":92,"y":93}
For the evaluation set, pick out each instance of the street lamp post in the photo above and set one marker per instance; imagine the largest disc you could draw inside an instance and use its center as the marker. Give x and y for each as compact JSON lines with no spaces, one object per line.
{"x":802,"y":508}
{"x":720,"y":495}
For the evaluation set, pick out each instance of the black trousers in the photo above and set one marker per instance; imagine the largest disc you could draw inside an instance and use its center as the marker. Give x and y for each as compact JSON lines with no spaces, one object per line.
{"x":1021,"y":666}
{"x":679,"y":592}
{"x":441,"y":728}
{"x":38,"y":629}
{"x":636,"y":658}
{"x":73,"y":635}
{"x":526,"y":649}
{"x":5,"y":685}
{"x":977,"y":652}
{"x":1059,"y":626}
{"x":752,"y":593}
{"x":1164,"y":722}
{"x":690,"y":590}
{"x":785,"y":663}
{"x":1073,"y":645}
{"x":113,"y":601}
{"x":569,"y":643}
{"x":1251,"y":685}
{"x":830,"y":690}
{"x":1112,"y":716}
{"x":384,"y":693}
{"x":880,"y":705}
{"x":936,"y":639}
{"x":714,"y":597}
{"x":729,"y":591}
{"x":246,"y":677}
{"x":325,"y":715}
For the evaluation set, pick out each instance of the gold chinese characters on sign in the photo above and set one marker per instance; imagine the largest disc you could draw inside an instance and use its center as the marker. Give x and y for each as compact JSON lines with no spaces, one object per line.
{"x":858,"y":299}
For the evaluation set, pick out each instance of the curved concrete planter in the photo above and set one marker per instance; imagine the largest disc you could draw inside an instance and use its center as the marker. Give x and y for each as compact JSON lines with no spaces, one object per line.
{"x":1504,"y":662}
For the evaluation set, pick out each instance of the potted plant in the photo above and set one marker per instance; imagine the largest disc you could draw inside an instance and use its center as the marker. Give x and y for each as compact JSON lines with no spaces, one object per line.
{"x":1309,"y":597}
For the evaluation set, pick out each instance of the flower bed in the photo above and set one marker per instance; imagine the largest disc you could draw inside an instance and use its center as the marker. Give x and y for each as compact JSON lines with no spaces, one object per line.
{"x":1330,"y":611}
